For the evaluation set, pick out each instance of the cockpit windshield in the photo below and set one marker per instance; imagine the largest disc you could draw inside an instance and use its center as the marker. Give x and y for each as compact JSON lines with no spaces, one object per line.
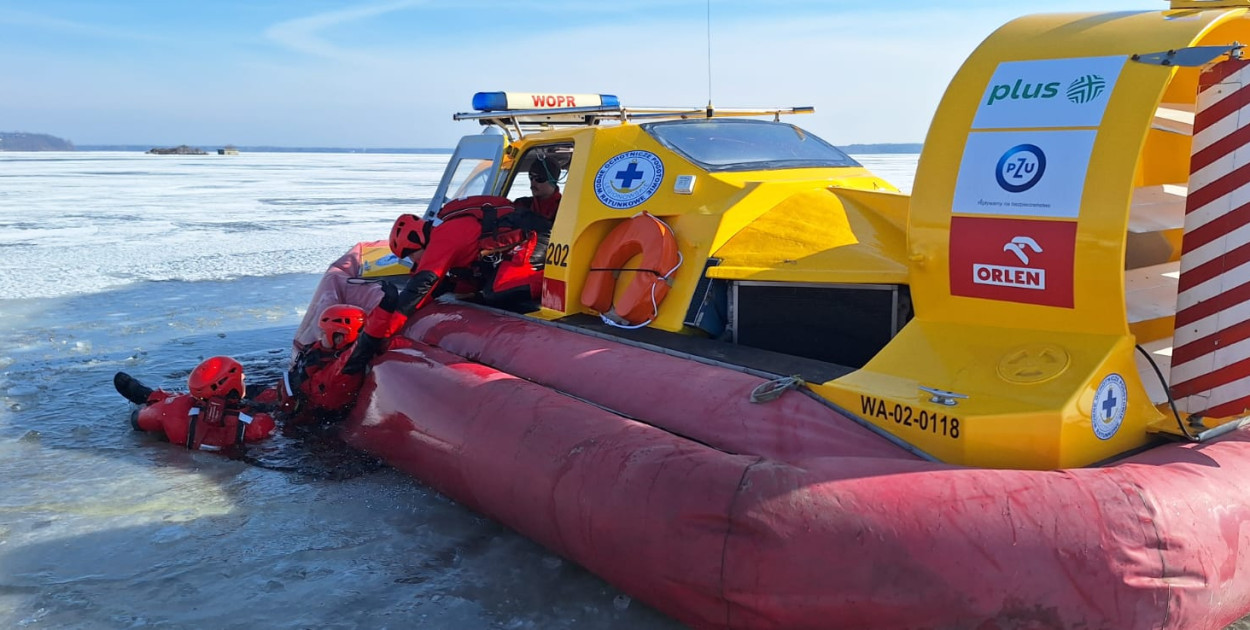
{"x":746,"y":145}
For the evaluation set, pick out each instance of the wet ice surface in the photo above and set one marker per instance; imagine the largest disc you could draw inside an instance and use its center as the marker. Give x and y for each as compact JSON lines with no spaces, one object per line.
{"x":88,"y":221}
{"x":104,"y":527}
{"x":148,"y":264}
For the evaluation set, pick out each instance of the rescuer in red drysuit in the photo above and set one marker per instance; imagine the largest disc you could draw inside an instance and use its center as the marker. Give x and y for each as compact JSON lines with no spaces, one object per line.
{"x":218,"y":410}
{"x":317,"y":385}
{"x":212,"y":416}
{"x":483,"y":241}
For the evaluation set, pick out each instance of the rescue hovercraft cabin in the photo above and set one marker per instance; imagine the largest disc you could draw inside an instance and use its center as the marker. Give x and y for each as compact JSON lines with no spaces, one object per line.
{"x":1014,"y":399}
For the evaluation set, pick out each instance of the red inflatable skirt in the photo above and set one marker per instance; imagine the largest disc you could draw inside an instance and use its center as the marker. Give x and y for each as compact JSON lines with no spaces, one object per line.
{"x":658,"y":474}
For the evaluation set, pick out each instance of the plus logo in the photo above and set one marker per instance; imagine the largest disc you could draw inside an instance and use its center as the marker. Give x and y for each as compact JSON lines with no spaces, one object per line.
{"x":1109,"y":406}
{"x":629,"y":179}
{"x":1086,"y":88}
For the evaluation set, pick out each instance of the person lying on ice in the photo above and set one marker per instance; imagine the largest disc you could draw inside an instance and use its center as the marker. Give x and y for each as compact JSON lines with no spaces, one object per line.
{"x":216,"y":410}
{"x":482,"y":243}
{"x":212,"y":416}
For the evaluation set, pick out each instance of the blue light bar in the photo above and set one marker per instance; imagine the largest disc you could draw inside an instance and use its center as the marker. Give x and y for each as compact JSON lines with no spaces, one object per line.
{"x":490,"y":101}
{"x":506,"y":101}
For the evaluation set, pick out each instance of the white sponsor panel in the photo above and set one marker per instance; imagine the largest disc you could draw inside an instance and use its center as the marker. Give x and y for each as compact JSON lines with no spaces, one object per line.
{"x":1048,"y":93}
{"x":1024,"y":173}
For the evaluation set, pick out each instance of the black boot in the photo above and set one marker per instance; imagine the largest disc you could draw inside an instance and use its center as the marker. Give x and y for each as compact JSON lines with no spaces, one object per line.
{"x":131,"y":389}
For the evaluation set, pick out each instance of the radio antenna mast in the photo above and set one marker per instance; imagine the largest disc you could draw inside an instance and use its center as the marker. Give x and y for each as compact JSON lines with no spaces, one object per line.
{"x":709,"y":58}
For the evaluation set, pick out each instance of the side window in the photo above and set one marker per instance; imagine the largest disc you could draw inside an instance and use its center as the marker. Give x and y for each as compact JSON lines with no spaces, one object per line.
{"x":530,"y":161}
{"x":471,"y":170}
{"x":471,"y":178}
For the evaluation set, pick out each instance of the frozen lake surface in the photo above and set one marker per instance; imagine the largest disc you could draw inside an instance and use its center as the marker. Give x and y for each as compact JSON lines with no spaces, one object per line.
{"x":148,"y":264}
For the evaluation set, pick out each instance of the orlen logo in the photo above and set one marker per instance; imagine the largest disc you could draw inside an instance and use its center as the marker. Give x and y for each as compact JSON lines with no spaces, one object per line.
{"x":1010,"y":276}
{"x":1029,"y":261}
{"x":1080,"y":91}
{"x":1020,"y":168}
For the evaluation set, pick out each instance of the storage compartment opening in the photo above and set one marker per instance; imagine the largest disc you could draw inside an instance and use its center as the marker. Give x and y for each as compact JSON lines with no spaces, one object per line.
{"x":842,"y":324}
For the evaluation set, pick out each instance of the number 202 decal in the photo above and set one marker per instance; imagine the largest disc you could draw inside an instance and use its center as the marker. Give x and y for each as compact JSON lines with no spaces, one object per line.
{"x":557,"y":254}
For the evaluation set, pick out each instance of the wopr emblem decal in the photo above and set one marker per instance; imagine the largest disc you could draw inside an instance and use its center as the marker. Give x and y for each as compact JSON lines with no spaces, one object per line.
{"x":1110,"y":404}
{"x":1020,"y":168}
{"x":1013,"y":260}
{"x":628,"y":179}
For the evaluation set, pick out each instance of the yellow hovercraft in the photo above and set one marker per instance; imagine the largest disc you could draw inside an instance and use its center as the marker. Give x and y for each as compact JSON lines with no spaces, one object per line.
{"x":763,"y":389}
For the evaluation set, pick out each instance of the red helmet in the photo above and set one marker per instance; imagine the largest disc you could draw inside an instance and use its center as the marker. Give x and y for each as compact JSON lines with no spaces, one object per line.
{"x":217,"y":376}
{"x":409,"y":235}
{"x":340,"y":325}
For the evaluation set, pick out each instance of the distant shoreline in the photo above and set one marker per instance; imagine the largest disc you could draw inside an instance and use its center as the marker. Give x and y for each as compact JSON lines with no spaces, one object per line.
{"x":23,"y":141}
{"x":883,"y":147}
{"x":143,"y":148}
{"x":898,"y":147}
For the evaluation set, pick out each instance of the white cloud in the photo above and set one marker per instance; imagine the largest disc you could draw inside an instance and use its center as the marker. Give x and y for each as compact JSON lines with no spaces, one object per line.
{"x":306,"y":34}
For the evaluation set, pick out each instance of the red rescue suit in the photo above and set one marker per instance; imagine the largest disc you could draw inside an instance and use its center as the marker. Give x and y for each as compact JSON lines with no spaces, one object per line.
{"x":198,"y":424}
{"x":321,"y":384}
{"x":545,"y":207}
{"x":317,"y":385}
{"x":524,"y":267}
{"x":483,"y":240}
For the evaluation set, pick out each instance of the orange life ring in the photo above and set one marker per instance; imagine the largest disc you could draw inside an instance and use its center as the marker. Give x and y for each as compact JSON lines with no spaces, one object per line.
{"x":639,"y":304}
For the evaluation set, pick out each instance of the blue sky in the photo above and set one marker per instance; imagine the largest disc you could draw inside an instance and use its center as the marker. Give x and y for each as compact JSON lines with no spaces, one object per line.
{"x":391,"y":73}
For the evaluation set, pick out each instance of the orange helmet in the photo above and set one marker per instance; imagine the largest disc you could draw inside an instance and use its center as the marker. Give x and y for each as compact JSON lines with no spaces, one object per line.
{"x":217,"y":376}
{"x":409,"y":235}
{"x":340,"y":325}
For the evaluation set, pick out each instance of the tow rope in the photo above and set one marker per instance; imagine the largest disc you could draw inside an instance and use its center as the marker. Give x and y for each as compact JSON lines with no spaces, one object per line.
{"x":772,"y":390}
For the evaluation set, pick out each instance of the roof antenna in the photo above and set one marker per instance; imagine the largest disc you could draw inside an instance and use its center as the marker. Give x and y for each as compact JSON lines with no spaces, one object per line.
{"x":709,"y":58}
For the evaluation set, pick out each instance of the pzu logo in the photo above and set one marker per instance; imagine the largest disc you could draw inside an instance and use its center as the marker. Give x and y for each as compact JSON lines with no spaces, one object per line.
{"x":1020,"y":168}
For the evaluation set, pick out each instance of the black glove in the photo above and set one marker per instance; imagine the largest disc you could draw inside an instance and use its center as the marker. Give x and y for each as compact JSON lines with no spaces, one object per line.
{"x":364,"y":350}
{"x":416,"y":289}
{"x":390,"y":297}
{"x":311,"y":355}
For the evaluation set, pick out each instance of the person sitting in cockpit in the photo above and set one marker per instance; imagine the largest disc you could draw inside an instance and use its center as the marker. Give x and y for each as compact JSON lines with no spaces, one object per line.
{"x":544,"y":176}
{"x":545,"y":187}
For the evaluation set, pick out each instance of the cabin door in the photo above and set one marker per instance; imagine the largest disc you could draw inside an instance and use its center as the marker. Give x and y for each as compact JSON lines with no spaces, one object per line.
{"x":472,"y":170}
